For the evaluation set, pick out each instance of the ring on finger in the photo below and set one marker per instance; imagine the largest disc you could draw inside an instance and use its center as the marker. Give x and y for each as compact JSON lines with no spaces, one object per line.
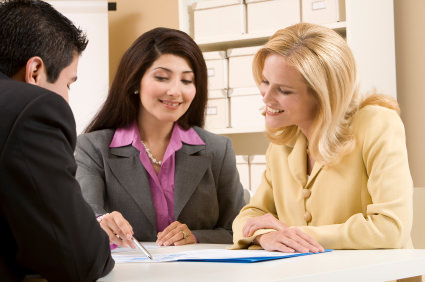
{"x":185,"y":235}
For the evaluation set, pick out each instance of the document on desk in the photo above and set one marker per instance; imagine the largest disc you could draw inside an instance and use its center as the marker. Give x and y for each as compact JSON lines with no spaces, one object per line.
{"x":206,"y":255}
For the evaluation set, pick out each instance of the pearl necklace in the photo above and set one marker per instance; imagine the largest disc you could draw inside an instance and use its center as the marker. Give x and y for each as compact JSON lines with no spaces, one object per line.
{"x":148,"y":151}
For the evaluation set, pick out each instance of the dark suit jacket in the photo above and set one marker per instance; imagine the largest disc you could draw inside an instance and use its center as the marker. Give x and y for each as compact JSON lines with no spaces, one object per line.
{"x":46,"y":226}
{"x":208,"y":194}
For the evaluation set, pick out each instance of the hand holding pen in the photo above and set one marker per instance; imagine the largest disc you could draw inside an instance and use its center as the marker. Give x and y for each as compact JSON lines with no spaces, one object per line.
{"x":118,"y":229}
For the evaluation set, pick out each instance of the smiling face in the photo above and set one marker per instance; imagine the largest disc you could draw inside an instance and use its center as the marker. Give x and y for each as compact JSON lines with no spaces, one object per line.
{"x":286,"y":95}
{"x":166,"y":90}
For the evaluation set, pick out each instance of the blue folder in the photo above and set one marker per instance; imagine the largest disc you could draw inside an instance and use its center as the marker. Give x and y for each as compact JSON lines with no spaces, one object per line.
{"x":252,"y":259}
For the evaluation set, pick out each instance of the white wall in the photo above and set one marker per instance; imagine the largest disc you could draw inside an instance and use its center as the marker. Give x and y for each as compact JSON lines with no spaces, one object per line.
{"x":371,"y":38}
{"x":90,"y":90}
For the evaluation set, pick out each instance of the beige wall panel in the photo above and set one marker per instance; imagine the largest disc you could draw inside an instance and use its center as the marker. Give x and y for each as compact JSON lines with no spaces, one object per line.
{"x":418,"y":229}
{"x":131,"y":19}
{"x":249,"y":143}
{"x":410,"y":59}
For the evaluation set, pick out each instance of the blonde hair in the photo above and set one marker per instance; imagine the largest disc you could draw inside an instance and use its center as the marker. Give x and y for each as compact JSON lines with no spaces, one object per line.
{"x":328,"y":68}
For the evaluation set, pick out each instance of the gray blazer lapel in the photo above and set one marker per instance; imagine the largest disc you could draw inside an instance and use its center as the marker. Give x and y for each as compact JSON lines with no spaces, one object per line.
{"x":189,"y":172}
{"x":131,"y":174}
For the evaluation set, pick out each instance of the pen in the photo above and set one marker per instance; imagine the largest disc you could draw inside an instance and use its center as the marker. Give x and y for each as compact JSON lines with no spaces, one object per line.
{"x":143,"y":249}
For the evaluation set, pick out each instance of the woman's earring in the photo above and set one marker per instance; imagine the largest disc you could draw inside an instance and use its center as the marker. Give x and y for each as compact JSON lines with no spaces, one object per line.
{"x":136,"y":92}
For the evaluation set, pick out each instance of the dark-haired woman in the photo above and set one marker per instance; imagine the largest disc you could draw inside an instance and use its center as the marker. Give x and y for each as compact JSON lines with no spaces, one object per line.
{"x":145,"y":165}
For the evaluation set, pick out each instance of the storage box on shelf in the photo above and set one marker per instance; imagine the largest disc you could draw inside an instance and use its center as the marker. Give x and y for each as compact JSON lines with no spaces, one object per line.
{"x":251,"y":169}
{"x":218,"y":18}
{"x":217,"y":69}
{"x":240,"y":67}
{"x":242,"y":110}
{"x":217,"y":112}
{"x":323,"y":11}
{"x":246,"y":107}
{"x":242,"y":165}
{"x":257,"y":166}
{"x":267,"y":16}
{"x":245,"y":99}
{"x":223,"y":24}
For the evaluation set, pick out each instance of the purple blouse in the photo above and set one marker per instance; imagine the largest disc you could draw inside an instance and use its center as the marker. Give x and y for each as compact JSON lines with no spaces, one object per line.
{"x":161,"y":184}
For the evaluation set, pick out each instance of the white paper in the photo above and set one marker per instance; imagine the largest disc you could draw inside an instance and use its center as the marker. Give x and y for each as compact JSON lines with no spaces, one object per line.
{"x":148,"y":245}
{"x":135,"y":256}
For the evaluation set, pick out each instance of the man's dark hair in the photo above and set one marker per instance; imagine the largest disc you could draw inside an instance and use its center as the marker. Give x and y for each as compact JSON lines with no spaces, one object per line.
{"x":31,"y":28}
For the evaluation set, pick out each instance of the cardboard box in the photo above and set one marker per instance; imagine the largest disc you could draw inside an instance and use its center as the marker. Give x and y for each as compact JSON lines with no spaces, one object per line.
{"x":242,"y":165}
{"x":323,"y":11}
{"x":217,"y":111}
{"x":265,"y":17}
{"x":218,"y":18}
{"x":246,"y":106}
{"x":257,"y":166}
{"x":217,"y":69}
{"x":240,"y":66}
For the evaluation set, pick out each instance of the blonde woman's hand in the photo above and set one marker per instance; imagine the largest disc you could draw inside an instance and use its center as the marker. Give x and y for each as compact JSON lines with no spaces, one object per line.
{"x":261,"y":222}
{"x":118,"y":229}
{"x":289,"y":240}
{"x":176,"y":234}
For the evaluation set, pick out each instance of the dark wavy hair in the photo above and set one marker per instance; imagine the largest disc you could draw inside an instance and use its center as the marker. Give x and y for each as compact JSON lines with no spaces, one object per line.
{"x":122,"y":106}
{"x":31,"y":28}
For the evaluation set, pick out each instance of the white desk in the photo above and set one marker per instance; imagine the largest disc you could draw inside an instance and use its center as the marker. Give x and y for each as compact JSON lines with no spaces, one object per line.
{"x":339,"y":265}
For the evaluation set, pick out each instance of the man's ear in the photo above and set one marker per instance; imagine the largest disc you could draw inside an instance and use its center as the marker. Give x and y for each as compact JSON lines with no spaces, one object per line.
{"x":35,"y":70}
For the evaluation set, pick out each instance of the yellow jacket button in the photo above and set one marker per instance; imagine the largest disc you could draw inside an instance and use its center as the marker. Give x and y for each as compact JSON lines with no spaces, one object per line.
{"x":307,"y":216}
{"x":306,"y":193}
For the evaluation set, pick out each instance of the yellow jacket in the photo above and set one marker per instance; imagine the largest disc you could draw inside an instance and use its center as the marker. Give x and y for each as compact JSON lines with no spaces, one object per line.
{"x":363,"y":202}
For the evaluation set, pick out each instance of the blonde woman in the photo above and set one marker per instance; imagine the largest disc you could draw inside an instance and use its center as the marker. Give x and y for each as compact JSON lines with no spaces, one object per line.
{"x":337,"y":173}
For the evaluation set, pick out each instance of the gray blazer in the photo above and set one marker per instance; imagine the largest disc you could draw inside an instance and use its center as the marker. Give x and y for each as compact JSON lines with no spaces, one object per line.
{"x":208,"y":193}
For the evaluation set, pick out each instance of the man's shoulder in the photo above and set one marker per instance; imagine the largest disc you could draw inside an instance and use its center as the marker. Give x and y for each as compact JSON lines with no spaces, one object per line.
{"x":25,"y":104}
{"x":20,"y":101}
{"x":15,"y":95}
{"x":9,"y":86}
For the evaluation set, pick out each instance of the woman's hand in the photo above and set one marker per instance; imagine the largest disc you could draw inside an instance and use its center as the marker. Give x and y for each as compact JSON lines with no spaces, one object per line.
{"x":176,"y":234}
{"x":118,"y":229}
{"x":261,"y":222}
{"x":289,"y":240}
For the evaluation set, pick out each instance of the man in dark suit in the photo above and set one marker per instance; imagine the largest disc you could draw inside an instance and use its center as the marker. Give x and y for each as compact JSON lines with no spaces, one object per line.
{"x":47,"y":228}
